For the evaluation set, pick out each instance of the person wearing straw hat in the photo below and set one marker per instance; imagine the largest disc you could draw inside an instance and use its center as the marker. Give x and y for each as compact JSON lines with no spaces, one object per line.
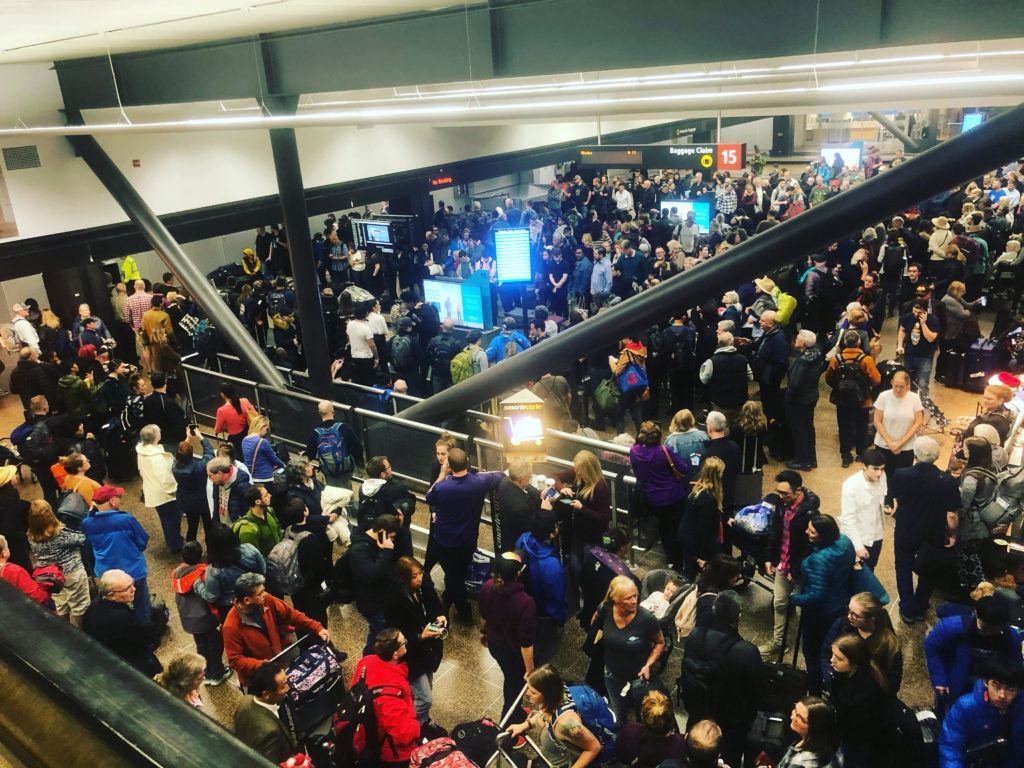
{"x":940,"y":238}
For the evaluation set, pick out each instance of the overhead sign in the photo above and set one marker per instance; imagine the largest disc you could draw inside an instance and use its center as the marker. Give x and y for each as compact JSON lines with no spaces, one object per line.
{"x":440,"y":181}
{"x":692,"y":157}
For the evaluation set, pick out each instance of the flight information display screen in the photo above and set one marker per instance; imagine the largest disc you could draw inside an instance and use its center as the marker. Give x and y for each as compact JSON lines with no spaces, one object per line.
{"x":512,"y":254}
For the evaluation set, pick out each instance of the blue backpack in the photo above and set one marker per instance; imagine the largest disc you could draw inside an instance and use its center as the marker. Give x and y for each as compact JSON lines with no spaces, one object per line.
{"x":595,"y":715}
{"x":334,"y":456}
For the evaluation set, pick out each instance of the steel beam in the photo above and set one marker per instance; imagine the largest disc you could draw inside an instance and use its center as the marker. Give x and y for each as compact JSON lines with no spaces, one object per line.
{"x":177,"y":261}
{"x":944,"y":166}
{"x":883,"y":120}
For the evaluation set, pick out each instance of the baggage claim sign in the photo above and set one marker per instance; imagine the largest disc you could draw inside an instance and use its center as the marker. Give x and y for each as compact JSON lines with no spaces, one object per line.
{"x":678,"y":157}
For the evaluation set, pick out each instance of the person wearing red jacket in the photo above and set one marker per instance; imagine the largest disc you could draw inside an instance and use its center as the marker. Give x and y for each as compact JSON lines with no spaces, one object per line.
{"x":398,"y":730}
{"x":20,"y":578}
{"x":256,"y":628}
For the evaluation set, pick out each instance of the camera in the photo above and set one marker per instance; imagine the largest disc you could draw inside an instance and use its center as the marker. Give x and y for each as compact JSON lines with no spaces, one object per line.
{"x":433,"y":627}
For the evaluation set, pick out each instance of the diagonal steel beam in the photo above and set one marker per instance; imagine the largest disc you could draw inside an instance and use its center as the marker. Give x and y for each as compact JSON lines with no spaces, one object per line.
{"x":883,"y":120}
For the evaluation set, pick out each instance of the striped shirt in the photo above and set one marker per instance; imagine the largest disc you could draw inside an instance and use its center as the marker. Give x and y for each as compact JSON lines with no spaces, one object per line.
{"x":64,"y":549}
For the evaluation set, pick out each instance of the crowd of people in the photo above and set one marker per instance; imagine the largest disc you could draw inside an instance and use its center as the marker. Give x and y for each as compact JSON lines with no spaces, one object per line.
{"x":272,"y":529}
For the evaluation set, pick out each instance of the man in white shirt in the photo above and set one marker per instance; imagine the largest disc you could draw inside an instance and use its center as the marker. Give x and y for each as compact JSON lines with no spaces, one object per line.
{"x":23,"y":330}
{"x":862,"y":507}
{"x":687,"y":232}
{"x":364,"y":350}
{"x":623,"y":201}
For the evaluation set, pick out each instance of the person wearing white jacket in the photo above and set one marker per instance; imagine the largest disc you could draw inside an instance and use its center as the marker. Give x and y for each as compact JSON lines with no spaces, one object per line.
{"x":159,"y":488}
{"x":862,"y":507}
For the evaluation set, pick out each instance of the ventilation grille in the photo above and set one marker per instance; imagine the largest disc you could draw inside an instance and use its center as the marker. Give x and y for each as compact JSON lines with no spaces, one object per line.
{"x":20,"y":158}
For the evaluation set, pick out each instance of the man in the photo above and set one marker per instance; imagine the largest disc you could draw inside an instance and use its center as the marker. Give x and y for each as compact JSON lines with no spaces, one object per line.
{"x":228,"y":486}
{"x":723,"y":676}
{"x":456,"y":500}
{"x":84,"y":313}
{"x":335,"y":445}
{"x":957,"y":648}
{"x":440,"y":351}
{"x":546,"y":583}
{"x":725,"y":375}
{"x":600,"y":278}
{"x":118,"y":301}
{"x":28,"y":378}
{"x":851,"y":374}
{"x":862,"y":506}
{"x":130,"y":271}
{"x":281,"y":300}
{"x":513,"y":214}
{"x":372,"y":562}
{"x":794,"y":506}
{"x":680,"y":343}
{"x":557,"y":279}
{"x":557,"y":396}
{"x":518,"y":505}
{"x":34,"y":442}
{"x":384,"y":672}
{"x":926,"y":502}
{"x":992,"y":711}
{"x":802,"y":397}
{"x":135,"y":307}
{"x":119,"y":542}
{"x":726,"y":449}
{"x":379,"y":494}
{"x":256,"y":628}
{"x":113,"y":624}
{"x":916,"y":341}
{"x":257,"y":721}
{"x":24,"y":332}
{"x":579,"y":283}
{"x":555,"y":195}
{"x":632,"y":264}
{"x":703,"y":745}
{"x":364,"y":353}
{"x":264,"y":240}
{"x":18,"y":577}
{"x":260,"y":526}
{"x":163,"y":410}
{"x":771,"y":360}
{"x":424,"y":315}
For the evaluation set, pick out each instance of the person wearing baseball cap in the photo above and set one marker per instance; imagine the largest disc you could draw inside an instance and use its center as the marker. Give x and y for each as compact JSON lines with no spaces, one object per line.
{"x":250,"y":262}
{"x":119,"y":542}
{"x":23,"y":330}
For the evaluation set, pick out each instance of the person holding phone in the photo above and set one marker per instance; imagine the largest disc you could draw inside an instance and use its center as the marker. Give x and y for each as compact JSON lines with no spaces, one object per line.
{"x":372,"y":562}
{"x":959,"y":327}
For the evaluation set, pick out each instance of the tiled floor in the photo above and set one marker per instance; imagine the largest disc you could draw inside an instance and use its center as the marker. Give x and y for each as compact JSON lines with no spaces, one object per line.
{"x":468,"y":684}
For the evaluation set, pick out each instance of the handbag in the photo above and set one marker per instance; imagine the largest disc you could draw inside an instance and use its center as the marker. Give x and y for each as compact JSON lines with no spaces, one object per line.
{"x":633,"y":377}
{"x":675,"y":472}
{"x":593,"y":643}
{"x":606,"y":396}
{"x":863,"y":579}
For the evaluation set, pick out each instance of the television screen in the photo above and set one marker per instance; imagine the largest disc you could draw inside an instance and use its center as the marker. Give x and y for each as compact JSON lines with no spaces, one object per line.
{"x":850,"y":155}
{"x":971,"y":120}
{"x":701,"y":212}
{"x":378,"y":233}
{"x":462,"y":302}
{"x":512,"y":253}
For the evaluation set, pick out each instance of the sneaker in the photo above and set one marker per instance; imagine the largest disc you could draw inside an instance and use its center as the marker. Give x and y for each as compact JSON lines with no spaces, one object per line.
{"x":847,"y":461}
{"x":215,"y":681}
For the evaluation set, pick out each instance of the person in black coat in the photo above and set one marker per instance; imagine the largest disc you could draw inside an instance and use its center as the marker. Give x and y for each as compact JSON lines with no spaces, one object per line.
{"x":112,"y":622}
{"x":14,"y":518}
{"x":314,"y":552}
{"x":69,"y":436}
{"x":163,"y":410}
{"x":303,"y":484}
{"x":518,"y":505}
{"x":379,"y":494}
{"x":28,"y":378}
{"x":411,"y":608}
{"x":862,"y":700}
{"x":190,"y":475}
{"x":371,"y":558}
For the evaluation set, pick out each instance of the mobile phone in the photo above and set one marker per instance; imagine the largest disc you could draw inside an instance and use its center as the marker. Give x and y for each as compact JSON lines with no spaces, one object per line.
{"x":380,"y":537}
{"x":983,"y":301}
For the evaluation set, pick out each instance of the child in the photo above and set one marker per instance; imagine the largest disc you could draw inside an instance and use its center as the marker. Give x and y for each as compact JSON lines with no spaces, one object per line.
{"x":658,"y":602}
{"x":196,"y":617}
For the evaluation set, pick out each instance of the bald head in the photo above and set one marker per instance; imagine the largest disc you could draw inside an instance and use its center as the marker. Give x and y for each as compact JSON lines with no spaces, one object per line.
{"x":140,"y":285}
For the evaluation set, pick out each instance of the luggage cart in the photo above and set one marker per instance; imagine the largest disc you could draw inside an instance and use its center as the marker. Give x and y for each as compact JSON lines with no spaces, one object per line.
{"x":316,"y":687}
{"x":505,"y":757}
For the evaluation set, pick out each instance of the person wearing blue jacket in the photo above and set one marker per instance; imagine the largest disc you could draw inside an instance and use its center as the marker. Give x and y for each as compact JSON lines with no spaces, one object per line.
{"x":991,"y":712}
{"x":190,"y":475}
{"x":825,"y":590}
{"x":257,"y":455}
{"x":118,"y":541}
{"x":226,"y":487}
{"x":958,"y":646}
{"x":506,"y":341}
{"x":771,"y":362}
{"x":546,"y":584}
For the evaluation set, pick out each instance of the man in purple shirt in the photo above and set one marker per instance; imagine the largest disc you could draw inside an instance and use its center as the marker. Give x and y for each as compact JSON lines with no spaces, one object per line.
{"x":457,"y":498}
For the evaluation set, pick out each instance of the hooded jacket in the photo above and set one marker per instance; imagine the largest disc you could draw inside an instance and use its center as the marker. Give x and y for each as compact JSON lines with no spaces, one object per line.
{"x":947,"y":649}
{"x":76,"y":394}
{"x":973,"y":721}
{"x":545,"y":578}
{"x":28,"y":379}
{"x":804,"y":373}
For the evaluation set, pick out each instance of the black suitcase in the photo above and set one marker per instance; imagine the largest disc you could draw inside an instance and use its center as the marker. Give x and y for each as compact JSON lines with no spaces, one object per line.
{"x":953,"y":370}
{"x":786,"y":686}
{"x":770,"y":734}
{"x":476,"y":740}
{"x":975,"y":378}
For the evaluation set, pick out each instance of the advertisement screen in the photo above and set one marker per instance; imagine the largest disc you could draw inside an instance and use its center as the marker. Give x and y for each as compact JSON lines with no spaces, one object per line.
{"x":701,"y":212}
{"x":971,"y":120}
{"x":378,"y":233}
{"x":458,"y":301}
{"x":512,"y":253}
{"x":850,"y":155}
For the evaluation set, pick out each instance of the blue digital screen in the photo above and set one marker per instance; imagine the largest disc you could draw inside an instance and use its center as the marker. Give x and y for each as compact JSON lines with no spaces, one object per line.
{"x":378,"y":233}
{"x":462,"y":303}
{"x":512,"y":253}
{"x":971,"y":120}
{"x":701,"y":213}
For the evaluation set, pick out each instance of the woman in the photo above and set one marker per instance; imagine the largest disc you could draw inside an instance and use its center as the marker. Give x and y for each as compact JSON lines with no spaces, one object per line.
{"x":183,"y":677}
{"x":315,"y":559}
{"x":655,"y":738}
{"x":868,"y":619}
{"x":861,"y":697}
{"x":159,"y":487}
{"x":564,"y":740}
{"x":958,"y":315}
{"x":994,"y":411}
{"x":77,"y":480}
{"x":250,"y":262}
{"x":228,"y":560}
{"x":748,"y":201}
{"x":764,"y":299}
{"x":374,"y":278}
{"x":700,"y":530}
{"x":69,"y":437}
{"x":232,"y":421}
{"x":189,"y":475}
{"x":1000,"y":459}
{"x":49,"y":333}
{"x":825,"y":584}
{"x":303,"y":484}
{"x":508,"y":624}
{"x":720,"y":573}
{"x":733,"y":310}
{"x":632,"y":641}
{"x":379,"y":326}
{"x":685,"y":439}
{"x":53,"y":544}
{"x":590,"y":504}
{"x":949,"y":270}
{"x":978,"y":488}
{"x":814,"y":722}
{"x":751,"y":435}
{"x":415,"y":611}
{"x":259,"y":458}
{"x":662,"y":476}
{"x":898,"y":418}
{"x":632,"y":353}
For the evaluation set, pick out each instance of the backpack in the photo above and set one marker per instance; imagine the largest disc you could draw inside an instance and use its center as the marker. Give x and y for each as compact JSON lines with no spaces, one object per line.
{"x":443,"y":354}
{"x":356,"y":720}
{"x":202,"y":337}
{"x":276,"y":303}
{"x":461,"y":367}
{"x":37,"y":445}
{"x":131,"y":415}
{"x":595,"y":715}
{"x":700,"y":675}
{"x":785,"y":307}
{"x":852,"y":385}
{"x":1006,"y":507}
{"x":401,"y":352}
{"x":682,"y":349}
{"x":283,"y":569}
{"x":331,"y":450}
{"x":655,"y":347}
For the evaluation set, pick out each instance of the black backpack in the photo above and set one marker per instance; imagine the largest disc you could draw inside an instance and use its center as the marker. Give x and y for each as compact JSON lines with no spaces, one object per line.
{"x":681,"y":348}
{"x":852,"y":386}
{"x":701,"y":674}
{"x":37,"y":447}
{"x":443,"y":352}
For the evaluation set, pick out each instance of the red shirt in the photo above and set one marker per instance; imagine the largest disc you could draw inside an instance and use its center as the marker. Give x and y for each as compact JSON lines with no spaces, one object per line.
{"x":231,"y":421}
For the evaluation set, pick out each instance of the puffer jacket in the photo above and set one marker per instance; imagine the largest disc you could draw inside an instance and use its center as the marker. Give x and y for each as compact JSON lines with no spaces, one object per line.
{"x":804,"y":373}
{"x":973,"y":721}
{"x":218,"y":584}
{"x":826,"y":578}
{"x":947,"y":650}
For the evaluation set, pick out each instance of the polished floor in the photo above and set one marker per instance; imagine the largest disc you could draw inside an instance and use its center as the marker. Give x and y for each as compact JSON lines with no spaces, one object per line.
{"x":468,"y":684}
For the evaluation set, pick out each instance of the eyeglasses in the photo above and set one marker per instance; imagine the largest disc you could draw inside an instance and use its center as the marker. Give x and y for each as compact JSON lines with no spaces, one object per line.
{"x":853,"y":615}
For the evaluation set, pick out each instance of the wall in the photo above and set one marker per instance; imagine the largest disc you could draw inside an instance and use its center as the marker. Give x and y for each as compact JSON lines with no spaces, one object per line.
{"x":757,"y":132}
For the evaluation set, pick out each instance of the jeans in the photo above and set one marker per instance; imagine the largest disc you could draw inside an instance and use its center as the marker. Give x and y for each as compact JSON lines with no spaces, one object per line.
{"x":454,"y":561}
{"x":142,"y":604}
{"x":853,"y":430}
{"x":628,"y":402}
{"x":619,"y":704}
{"x":913,"y":602}
{"x":920,"y":370}
{"x":170,"y":521}
{"x":801,"y":426}
{"x":375,"y":623}
{"x":423,"y":695}
{"x":546,"y":645}
{"x":210,"y":645}
{"x":196,"y":516}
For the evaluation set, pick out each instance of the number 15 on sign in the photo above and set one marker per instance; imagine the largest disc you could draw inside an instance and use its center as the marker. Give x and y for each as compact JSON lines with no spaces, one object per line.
{"x":730,"y":157}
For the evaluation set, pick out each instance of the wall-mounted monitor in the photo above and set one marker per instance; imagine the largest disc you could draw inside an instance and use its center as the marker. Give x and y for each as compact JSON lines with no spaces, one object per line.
{"x":972,"y":120}
{"x":378,"y":233}
{"x":851,"y":155}
{"x":512,"y":255}
{"x":461,"y":301}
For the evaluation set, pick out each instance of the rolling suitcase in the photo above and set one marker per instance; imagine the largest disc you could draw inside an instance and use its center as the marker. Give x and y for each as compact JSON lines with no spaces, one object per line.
{"x":953,"y":375}
{"x":786,"y":686}
{"x":974,"y":368}
{"x":770,"y":735}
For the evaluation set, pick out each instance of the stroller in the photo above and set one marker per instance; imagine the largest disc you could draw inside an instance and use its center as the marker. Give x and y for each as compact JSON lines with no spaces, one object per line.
{"x":654,"y":581}
{"x":316,"y":687}
{"x":753,"y":547}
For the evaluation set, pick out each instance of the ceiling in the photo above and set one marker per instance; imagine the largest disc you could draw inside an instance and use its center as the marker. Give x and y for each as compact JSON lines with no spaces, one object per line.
{"x":46,"y":30}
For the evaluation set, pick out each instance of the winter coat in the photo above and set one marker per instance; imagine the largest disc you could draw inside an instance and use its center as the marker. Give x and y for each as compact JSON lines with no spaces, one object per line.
{"x":411,"y":616}
{"x":973,"y":721}
{"x":218,"y":584}
{"x":826,"y":578}
{"x":804,"y":373}
{"x":118,"y":541}
{"x":158,"y":484}
{"x":372,"y":572}
{"x":191,"y":480}
{"x":545,"y":578}
{"x":239,"y":483}
{"x":194,"y":612}
{"x":398,"y":730}
{"x":947,"y":650}
{"x":248,"y":644}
